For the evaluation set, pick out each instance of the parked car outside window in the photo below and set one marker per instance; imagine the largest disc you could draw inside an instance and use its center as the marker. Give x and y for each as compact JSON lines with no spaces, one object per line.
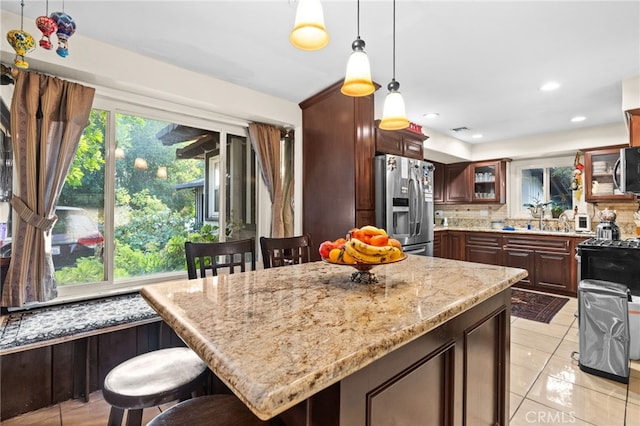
{"x":74,"y":235}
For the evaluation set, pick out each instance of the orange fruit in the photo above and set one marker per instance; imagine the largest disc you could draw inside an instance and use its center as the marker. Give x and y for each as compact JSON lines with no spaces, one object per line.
{"x":395,"y":243}
{"x":379,"y":240}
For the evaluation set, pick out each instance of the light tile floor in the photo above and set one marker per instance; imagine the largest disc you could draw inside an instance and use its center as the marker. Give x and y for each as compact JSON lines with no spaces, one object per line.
{"x":547,"y":386}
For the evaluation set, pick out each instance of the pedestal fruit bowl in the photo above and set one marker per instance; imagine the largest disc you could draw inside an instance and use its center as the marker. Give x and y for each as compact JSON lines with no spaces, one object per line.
{"x":363,"y":249}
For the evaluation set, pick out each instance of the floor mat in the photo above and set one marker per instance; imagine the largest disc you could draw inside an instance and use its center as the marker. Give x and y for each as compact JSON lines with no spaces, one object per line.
{"x":535,"y":306}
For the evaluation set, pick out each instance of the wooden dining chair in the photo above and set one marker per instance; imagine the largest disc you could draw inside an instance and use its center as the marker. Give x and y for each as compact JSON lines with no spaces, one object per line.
{"x":285,"y":251}
{"x":230,"y":255}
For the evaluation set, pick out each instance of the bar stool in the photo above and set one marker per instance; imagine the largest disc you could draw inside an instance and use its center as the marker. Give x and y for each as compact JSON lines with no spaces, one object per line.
{"x":209,"y":410}
{"x":152,"y":379}
{"x":285,"y":251}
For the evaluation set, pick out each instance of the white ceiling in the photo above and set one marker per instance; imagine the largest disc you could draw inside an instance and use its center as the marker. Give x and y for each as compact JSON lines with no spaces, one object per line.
{"x":477,"y":63}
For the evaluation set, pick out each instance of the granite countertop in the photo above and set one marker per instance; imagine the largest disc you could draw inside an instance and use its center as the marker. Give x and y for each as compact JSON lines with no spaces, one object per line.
{"x":516,"y":231}
{"x":277,"y":336}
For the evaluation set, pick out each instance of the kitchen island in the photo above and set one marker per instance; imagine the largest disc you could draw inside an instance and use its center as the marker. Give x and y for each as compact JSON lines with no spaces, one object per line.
{"x":430,"y":340}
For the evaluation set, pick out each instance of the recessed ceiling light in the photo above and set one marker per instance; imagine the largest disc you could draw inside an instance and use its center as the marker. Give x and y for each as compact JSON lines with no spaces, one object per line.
{"x":477,"y":136}
{"x":431,"y":115}
{"x":549,"y":86}
{"x":578,"y":119}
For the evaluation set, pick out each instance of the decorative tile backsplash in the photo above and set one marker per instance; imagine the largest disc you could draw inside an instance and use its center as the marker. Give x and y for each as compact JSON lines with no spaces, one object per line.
{"x":482,"y":216}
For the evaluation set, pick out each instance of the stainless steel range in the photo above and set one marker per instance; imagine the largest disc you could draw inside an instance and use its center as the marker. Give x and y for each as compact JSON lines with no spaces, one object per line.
{"x":609,"y":260}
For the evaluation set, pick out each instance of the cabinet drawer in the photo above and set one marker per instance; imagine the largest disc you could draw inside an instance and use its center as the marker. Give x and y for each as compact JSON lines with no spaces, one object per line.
{"x":554,"y":244}
{"x":484,"y":239}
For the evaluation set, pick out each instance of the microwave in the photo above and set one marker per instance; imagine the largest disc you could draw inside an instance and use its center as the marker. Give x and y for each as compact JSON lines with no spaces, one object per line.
{"x":629,"y":170}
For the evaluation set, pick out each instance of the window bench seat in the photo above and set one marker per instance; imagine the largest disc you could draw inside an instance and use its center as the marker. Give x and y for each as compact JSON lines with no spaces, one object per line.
{"x":30,"y":329}
{"x":55,"y":353}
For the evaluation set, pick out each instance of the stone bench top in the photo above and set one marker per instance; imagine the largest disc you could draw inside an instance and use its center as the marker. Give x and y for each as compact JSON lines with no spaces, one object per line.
{"x":30,"y":329}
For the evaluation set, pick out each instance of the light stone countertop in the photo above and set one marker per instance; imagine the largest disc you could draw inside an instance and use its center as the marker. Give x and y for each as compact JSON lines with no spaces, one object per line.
{"x":278,"y":336}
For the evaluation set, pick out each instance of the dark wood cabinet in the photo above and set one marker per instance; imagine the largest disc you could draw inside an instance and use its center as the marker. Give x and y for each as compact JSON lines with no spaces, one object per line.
{"x":338,"y":151}
{"x":440,"y":245}
{"x":456,"y":374}
{"x":598,"y":175}
{"x":465,"y":183}
{"x":483,"y":247}
{"x":406,"y":143}
{"x":438,"y":182}
{"x":522,"y":258}
{"x":456,"y":181}
{"x":488,"y":181}
{"x":633,"y":118}
{"x":548,"y":259}
{"x":455,"y":243}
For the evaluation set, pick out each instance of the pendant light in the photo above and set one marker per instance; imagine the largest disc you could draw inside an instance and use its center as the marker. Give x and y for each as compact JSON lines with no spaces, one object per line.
{"x":357,"y":80}
{"x":309,"y":32}
{"x":394,"y":116}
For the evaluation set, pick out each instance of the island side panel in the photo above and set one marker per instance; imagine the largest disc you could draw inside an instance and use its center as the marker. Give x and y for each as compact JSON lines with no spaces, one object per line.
{"x":457,"y":374}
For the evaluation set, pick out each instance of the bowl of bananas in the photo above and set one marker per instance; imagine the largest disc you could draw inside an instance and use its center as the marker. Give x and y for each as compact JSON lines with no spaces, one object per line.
{"x":363,"y":249}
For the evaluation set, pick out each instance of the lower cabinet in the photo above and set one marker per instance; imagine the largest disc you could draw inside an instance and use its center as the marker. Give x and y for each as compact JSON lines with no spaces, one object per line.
{"x":456,"y":374}
{"x":455,"y":245}
{"x":549,"y":259}
{"x":483,"y":247}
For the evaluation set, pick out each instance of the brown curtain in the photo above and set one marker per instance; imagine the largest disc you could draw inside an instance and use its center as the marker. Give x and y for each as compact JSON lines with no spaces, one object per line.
{"x":266,"y":142}
{"x":48,"y":116}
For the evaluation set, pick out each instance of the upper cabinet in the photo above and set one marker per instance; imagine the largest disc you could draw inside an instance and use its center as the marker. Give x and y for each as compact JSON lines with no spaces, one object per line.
{"x":456,"y":184}
{"x":470,"y":183}
{"x":598,"y":175}
{"x":406,"y":143}
{"x":488,"y":183}
{"x":633,"y":117}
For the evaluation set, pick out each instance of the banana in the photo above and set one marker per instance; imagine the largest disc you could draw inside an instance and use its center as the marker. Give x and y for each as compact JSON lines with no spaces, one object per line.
{"x":370,"y":250}
{"x":395,"y":254}
{"x":350,"y":248}
{"x":372,"y":230}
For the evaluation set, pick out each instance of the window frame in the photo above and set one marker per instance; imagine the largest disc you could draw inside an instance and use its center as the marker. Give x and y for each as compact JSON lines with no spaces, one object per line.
{"x":113,"y":103}
{"x":516,"y":209}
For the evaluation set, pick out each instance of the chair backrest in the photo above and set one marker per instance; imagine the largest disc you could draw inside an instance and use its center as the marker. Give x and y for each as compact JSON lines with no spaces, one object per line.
{"x":285,"y":251}
{"x":213,"y":256}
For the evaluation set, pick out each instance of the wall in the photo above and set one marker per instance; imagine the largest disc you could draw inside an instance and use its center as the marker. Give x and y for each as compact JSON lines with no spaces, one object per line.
{"x":116,"y":72}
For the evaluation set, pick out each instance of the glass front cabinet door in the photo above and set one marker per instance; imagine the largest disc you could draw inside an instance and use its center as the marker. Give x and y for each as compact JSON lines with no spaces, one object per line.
{"x":598,"y":178}
{"x":488,"y":181}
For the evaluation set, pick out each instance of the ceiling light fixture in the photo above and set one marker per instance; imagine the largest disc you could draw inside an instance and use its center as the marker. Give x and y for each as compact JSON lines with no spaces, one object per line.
{"x":477,"y":136}
{"x":309,"y":32}
{"x":394,"y":116}
{"x":357,"y":80}
{"x":549,"y":86}
{"x":431,"y":115}
{"x":578,"y":119}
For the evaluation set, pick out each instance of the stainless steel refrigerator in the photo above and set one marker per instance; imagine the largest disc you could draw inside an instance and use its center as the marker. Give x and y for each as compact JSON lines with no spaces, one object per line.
{"x":404,"y":201}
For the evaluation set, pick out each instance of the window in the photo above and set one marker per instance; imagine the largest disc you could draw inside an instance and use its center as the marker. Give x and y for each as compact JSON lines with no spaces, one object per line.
{"x":541,"y":181}
{"x":123,"y":223}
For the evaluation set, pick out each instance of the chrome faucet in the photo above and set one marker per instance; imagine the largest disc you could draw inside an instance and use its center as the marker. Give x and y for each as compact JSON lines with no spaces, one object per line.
{"x":564,"y":221}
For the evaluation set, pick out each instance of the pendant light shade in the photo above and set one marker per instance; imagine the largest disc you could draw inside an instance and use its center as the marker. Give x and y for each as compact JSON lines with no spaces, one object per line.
{"x":357,"y":80}
{"x":309,"y":32}
{"x":394,"y":116}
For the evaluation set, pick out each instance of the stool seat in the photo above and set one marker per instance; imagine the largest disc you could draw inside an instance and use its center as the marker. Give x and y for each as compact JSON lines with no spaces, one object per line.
{"x":152,"y":379}
{"x":209,"y":410}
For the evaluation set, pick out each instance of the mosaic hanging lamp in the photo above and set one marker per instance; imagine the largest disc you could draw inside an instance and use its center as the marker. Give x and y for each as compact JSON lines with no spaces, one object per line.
{"x":66,"y":28}
{"x":21,"y":41}
{"x":47,"y":26}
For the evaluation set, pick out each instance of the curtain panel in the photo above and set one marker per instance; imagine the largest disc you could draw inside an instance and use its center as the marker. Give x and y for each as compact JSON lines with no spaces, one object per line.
{"x":266,"y":142}
{"x":48,"y":116}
